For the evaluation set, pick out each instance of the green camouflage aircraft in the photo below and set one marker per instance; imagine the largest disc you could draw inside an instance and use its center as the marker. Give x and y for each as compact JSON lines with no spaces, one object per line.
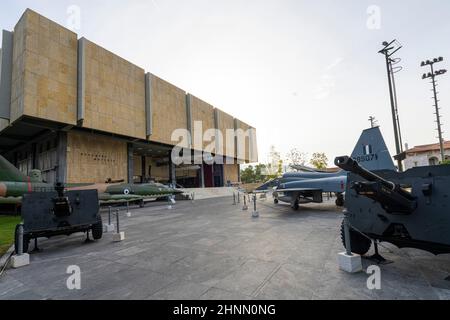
{"x":14,"y":184}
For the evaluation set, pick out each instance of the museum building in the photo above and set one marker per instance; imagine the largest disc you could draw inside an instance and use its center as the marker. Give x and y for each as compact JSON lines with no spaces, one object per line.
{"x":82,"y":114}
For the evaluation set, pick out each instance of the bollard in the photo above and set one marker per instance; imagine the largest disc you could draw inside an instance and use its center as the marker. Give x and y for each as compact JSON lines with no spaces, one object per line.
{"x":108,"y":227}
{"x":20,"y":241}
{"x":245,"y":207}
{"x":234,"y":198}
{"x":348,"y":248}
{"x":128,"y":213}
{"x":20,"y":259}
{"x":347,"y":261}
{"x":255,"y":213}
{"x":119,"y":236}
{"x":169,"y":203}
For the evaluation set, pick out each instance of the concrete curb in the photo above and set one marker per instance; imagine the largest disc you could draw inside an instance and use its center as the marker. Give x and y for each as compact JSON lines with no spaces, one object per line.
{"x":5,"y":258}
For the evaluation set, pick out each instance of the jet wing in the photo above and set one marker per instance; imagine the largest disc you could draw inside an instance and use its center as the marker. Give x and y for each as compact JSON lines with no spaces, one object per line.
{"x":106,"y":198}
{"x":297,"y":189}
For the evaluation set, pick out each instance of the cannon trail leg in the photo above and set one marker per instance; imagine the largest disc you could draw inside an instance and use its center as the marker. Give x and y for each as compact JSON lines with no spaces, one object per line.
{"x":36,"y":247}
{"x":377,"y":257}
{"x":88,"y":240}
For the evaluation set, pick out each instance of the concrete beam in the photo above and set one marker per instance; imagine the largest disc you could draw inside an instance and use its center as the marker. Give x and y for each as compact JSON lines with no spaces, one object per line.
{"x":148,"y":105}
{"x":189,"y":116}
{"x":6,"y":62}
{"x":81,"y":89}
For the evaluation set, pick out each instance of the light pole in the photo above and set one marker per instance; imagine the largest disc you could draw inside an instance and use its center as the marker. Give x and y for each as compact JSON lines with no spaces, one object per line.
{"x":433,"y":74}
{"x":388,"y":50}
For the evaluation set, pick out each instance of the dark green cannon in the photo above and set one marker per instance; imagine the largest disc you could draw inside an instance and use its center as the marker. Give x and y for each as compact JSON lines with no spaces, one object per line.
{"x":49,"y":214}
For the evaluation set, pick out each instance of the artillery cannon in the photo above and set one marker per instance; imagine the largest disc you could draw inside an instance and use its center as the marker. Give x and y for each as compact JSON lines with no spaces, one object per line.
{"x":407,"y":209}
{"x":48,"y":214}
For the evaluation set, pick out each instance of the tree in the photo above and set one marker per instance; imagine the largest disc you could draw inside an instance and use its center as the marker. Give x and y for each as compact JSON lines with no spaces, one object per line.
{"x":248,"y":175}
{"x":296,"y":157}
{"x":319,"y":160}
{"x":260,"y":173}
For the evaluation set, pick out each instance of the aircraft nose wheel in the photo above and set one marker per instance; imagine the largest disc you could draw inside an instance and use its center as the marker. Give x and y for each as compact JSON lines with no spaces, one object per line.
{"x":275,"y":201}
{"x":340,"y":201}
{"x":295,"y":205}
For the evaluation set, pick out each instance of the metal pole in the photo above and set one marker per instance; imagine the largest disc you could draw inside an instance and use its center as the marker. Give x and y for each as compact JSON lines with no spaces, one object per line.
{"x":109,"y":215}
{"x":117,"y":221}
{"x":234,"y":198}
{"x":348,"y":247}
{"x":394,"y":119}
{"x":239,"y":197}
{"x":438,"y":117}
{"x":254,"y":202}
{"x":396,"y":108}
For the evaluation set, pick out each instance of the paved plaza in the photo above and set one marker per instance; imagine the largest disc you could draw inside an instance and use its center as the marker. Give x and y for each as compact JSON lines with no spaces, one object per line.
{"x":212,"y":249}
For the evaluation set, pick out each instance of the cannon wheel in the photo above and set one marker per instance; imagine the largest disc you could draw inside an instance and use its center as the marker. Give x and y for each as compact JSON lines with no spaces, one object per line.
{"x":26,"y":241}
{"x":358,"y":243}
{"x":97,"y":229}
{"x":340,"y":201}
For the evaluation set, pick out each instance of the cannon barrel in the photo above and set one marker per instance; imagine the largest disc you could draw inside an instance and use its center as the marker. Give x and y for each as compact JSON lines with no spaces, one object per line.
{"x":348,"y":164}
{"x":392,"y":197}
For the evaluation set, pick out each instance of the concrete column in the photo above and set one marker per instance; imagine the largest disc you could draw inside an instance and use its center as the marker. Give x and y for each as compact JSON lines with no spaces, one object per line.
{"x":61,"y":171}
{"x":144,"y":168}
{"x":130,"y":161}
{"x":172,"y":171}
{"x":34,"y":155}
{"x":202,"y":176}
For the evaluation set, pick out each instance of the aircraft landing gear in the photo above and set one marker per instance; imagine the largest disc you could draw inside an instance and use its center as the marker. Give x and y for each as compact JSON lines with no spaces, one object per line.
{"x":275,"y":201}
{"x":295,"y":205}
{"x":340,"y":200}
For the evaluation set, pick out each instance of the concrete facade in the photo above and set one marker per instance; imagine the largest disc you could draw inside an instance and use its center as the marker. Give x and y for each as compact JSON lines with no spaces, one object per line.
{"x":44,"y":72}
{"x":95,"y":158}
{"x":119,"y":121}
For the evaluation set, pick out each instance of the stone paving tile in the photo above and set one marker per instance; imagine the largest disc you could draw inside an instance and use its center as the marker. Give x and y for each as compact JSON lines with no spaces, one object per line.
{"x":180,"y":290}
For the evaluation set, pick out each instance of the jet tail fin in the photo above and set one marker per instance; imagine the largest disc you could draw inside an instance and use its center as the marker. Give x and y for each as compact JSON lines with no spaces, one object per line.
{"x":371,"y":151}
{"x":10,"y":173}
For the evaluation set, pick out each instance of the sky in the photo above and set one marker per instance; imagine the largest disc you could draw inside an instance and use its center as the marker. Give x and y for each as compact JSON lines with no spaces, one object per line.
{"x":305,"y":74}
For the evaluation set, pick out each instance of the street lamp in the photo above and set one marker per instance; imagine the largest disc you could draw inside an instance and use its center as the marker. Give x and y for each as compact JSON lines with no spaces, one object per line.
{"x":389,"y":49}
{"x":433,"y":74}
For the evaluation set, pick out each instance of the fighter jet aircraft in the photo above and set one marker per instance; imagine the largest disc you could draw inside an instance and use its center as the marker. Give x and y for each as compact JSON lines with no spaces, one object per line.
{"x":14,"y":184}
{"x":305,"y":187}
